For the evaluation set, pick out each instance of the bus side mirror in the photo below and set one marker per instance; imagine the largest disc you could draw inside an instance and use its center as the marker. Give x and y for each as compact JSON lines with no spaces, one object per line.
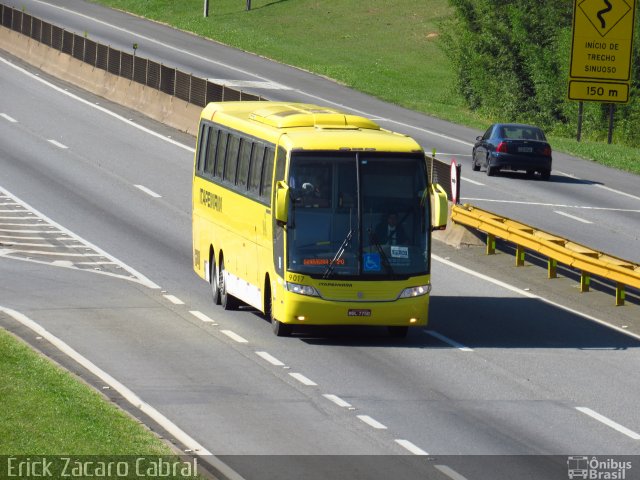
{"x":282,"y":203}
{"x":439,"y":208}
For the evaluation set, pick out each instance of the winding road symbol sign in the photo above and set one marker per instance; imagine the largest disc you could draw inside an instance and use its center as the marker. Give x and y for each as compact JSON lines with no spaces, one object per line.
{"x":604,"y":15}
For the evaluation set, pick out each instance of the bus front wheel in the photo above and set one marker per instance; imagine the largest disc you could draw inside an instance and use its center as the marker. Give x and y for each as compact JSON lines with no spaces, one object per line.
{"x":279,"y":328}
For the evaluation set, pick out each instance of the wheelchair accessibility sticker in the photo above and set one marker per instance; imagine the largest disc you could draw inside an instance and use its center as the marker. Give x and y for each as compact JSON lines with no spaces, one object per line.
{"x":372,"y":262}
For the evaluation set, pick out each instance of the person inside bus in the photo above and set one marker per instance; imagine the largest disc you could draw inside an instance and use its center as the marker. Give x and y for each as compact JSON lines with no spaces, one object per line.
{"x":315,"y":195}
{"x":389,"y":232}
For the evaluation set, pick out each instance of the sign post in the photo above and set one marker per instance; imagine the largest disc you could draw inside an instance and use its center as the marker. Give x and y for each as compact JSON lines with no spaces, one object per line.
{"x":601,"y":50}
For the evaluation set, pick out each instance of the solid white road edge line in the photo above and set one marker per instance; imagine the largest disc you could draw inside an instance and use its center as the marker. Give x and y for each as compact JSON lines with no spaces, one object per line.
{"x":532,"y":295}
{"x":610,"y":423}
{"x":572,"y":217}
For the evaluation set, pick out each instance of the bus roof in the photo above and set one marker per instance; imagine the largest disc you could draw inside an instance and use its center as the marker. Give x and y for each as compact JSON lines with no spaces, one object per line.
{"x":308,"y":127}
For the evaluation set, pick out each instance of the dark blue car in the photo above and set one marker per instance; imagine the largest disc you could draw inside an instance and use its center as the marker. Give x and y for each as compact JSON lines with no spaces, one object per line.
{"x":512,"y":146}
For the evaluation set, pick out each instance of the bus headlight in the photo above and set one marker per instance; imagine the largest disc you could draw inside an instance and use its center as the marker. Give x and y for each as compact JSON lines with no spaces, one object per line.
{"x":415,"y":291}
{"x":302,"y":289}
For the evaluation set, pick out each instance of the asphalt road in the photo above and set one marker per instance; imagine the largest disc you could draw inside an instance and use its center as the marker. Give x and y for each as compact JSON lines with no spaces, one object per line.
{"x":499,"y":371}
{"x":585,"y":202}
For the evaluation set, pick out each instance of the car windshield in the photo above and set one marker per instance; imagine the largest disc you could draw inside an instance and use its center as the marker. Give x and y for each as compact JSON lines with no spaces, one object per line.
{"x":358,"y":215}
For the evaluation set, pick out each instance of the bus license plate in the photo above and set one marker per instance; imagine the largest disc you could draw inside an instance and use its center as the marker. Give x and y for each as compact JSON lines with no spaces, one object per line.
{"x":359,"y":312}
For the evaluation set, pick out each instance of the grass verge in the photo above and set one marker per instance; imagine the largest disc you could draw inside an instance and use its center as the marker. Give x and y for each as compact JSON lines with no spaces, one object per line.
{"x":46,"y":411}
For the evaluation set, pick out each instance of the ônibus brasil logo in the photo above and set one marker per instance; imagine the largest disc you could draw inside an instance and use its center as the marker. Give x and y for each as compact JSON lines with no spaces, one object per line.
{"x":595,"y":468}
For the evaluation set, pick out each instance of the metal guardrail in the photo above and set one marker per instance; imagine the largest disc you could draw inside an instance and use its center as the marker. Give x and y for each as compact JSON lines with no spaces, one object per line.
{"x":185,"y":86}
{"x":557,"y":249}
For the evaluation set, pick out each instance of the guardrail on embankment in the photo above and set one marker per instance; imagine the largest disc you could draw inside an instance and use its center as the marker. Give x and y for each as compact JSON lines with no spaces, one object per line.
{"x":557,"y":249}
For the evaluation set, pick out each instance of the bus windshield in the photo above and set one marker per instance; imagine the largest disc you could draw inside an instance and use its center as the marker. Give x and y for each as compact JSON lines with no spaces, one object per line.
{"x":358,"y":215}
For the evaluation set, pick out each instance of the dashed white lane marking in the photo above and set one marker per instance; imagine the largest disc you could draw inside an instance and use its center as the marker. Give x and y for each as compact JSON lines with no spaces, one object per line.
{"x":57,"y":144}
{"x":8,"y":118}
{"x":411,"y":447}
{"x":450,"y":472}
{"x":572,"y":217}
{"x":201,"y":316}
{"x":148,"y":191}
{"x":131,"y":397}
{"x":372,"y":422}
{"x":467,"y":179}
{"x":337,"y":400}
{"x":264,"y":84}
{"x":448,"y":341}
{"x":270,"y":358}
{"x":234,"y":336}
{"x":173,"y":299}
{"x":610,"y":423}
{"x":302,"y":379}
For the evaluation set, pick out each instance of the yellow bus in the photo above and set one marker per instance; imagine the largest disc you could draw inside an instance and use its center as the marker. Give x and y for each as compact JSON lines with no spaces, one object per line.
{"x":313,"y":216}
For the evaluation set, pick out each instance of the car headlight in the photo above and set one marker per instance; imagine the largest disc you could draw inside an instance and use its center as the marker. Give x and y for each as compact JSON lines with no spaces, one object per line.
{"x":302,"y":289}
{"x":415,"y":291}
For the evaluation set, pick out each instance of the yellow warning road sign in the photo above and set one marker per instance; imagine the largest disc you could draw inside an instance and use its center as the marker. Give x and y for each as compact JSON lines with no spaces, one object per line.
{"x":602,"y":39}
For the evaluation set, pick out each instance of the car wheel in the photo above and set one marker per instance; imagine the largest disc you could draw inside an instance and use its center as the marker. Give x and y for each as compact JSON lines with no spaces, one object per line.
{"x":228,"y":301}
{"x":215,"y":285}
{"x":474,"y":165}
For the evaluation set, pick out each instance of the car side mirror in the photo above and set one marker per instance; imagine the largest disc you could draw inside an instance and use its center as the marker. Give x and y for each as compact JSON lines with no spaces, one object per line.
{"x":479,"y":137}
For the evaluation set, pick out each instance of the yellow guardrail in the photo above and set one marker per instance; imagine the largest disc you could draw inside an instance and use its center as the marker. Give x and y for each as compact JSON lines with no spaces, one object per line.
{"x":557,"y":249}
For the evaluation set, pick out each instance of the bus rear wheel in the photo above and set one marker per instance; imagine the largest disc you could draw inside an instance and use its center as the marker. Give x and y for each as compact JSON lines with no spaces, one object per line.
{"x":215,"y":284}
{"x":229,"y":302}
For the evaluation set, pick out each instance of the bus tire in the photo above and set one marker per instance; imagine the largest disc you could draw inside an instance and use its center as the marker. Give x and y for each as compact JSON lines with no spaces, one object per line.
{"x":280,"y":329}
{"x":228,"y":301}
{"x":398,"y":332}
{"x":215,"y":285}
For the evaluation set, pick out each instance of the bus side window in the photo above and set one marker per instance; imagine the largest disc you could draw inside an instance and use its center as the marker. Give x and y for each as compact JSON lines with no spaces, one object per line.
{"x":212,"y":142}
{"x":202,"y":151}
{"x":267,"y":175}
{"x":232,"y":159}
{"x":221,"y":154}
{"x":257,"y":157}
{"x":243,"y":164}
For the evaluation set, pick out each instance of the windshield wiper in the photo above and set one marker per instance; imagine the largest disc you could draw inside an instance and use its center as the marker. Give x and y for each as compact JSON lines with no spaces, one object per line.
{"x":329,"y":270}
